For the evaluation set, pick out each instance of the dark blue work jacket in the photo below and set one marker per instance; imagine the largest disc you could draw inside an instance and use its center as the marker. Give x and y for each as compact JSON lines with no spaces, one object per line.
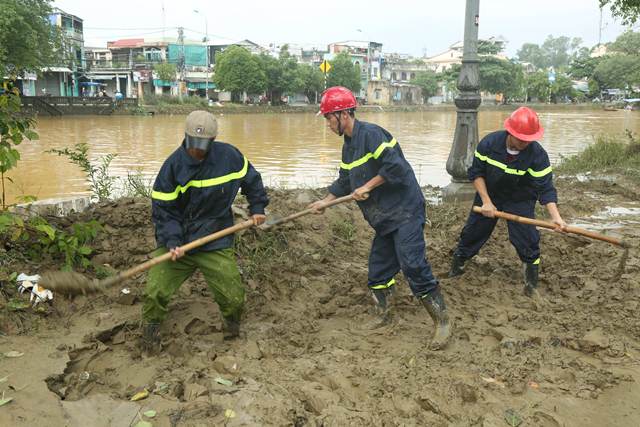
{"x":192,"y":198}
{"x":371,"y":151}
{"x":527,"y":177}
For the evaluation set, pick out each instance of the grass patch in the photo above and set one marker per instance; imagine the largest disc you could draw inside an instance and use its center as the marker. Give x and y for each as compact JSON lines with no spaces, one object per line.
{"x":259,"y":253}
{"x":608,"y":153}
{"x":344,"y":229}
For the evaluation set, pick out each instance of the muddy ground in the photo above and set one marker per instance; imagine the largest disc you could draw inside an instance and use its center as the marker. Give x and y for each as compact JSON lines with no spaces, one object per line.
{"x":308,"y":354}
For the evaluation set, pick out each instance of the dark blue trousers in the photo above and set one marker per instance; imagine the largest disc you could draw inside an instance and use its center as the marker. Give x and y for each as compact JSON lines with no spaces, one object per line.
{"x":402,"y":249}
{"x":525,"y":238}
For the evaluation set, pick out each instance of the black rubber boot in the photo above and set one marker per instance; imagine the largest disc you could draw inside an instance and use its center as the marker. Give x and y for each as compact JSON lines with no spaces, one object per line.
{"x":230,"y":328}
{"x":457,"y":266}
{"x":530,"y":279}
{"x":151,"y":337}
{"x":383,"y":298}
{"x":434,"y":303}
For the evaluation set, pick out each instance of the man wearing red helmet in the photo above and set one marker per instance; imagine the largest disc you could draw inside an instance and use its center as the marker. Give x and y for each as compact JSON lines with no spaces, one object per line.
{"x":375,"y":172}
{"x":510,"y":171}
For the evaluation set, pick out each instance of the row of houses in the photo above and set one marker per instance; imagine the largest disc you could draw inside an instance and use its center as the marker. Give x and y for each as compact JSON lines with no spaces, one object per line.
{"x":126,"y":67}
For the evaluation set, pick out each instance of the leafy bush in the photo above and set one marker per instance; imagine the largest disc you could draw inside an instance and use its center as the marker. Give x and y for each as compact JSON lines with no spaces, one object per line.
{"x":40,"y":237}
{"x":608,"y":152}
{"x":101,"y":182}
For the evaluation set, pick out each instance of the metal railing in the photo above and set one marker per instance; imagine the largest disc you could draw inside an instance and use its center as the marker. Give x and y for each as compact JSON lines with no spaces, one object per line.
{"x":77,"y":100}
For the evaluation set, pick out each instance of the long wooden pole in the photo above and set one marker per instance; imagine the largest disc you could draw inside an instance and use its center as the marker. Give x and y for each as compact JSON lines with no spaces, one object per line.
{"x":553,"y":226}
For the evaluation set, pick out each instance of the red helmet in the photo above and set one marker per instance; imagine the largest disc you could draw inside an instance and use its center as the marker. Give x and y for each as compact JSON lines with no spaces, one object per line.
{"x":524,"y":125}
{"x":336,"y":98}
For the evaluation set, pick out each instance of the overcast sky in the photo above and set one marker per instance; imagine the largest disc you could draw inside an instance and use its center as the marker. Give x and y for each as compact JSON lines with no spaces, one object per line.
{"x":403,"y":26}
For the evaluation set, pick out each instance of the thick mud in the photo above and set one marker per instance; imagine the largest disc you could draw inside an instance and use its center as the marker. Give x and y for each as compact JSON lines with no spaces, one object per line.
{"x":310,"y":353}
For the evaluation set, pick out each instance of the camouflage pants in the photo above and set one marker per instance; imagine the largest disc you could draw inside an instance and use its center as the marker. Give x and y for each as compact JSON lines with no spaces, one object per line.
{"x":219,"y":269}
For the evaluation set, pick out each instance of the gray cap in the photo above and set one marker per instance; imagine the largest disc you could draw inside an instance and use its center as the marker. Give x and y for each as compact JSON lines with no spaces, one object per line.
{"x":201,"y":124}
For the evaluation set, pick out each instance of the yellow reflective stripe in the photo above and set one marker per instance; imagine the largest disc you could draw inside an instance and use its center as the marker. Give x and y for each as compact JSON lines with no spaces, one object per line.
{"x":506,"y":169}
{"x":364,"y":159}
{"x":536,"y":262}
{"x":540,"y":174}
{"x":158,"y":195}
{"x":387,"y":285}
{"x":499,"y":165}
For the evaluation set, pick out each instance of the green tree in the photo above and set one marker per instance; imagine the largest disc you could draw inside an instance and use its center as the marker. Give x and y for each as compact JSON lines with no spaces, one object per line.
{"x":487,"y":48}
{"x":555,"y":52}
{"x":27,"y":43}
{"x":496,"y":76}
{"x":618,"y":72}
{"x":562,"y":88}
{"x":428,"y":82}
{"x":500,"y":76}
{"x":281,"y":74}
{"x":166,"y":71}
{"x":344,"y":73}
{"x":627,"y":43}
{"x":450,"y":77}
{"x":310,"y":81}
{"x":238,"y":71}
{"x":628,"y":10}
{"x":537,"y":86}
{"x":558,"y":50}
{"x":532,"y":53}
{"x":583,"y":65}
{"x":27,"y":40}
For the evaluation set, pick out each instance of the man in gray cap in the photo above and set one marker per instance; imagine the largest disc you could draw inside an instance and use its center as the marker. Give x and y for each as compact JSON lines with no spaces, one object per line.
{"x":191,"y":198}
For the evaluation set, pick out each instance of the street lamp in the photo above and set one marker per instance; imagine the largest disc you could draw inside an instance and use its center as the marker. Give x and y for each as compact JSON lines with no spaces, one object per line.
{"x":206,"y":40}
{"x":465,"y":139}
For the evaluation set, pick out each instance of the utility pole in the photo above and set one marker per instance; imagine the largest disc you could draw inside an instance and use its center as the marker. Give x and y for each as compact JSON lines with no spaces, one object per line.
{"x":206,"y":44}
{"x":163,"y":21}
{"x":465,"y":139}
{"x":181,"y":64}
{"x":600,"y":28}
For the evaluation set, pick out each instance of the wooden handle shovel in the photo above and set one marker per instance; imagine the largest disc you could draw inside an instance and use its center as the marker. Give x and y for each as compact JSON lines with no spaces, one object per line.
{"x":71,"y":283}
{"x":293,"y":216}
{"x":553,"y":226}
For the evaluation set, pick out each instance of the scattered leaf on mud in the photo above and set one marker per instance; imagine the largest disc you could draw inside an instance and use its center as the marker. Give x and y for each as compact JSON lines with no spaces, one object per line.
{"x":13,"y":354}
{"x":4,"y":379}
{"x":512,"y":418}
{"x":5,"y":401}
{"x":140,"y":395}
{"x":17,"y":305}
{"x":160,"y":387}
{"x":150,"y":413}
{"x":229,"y":413}
{"x":493,"y":381}
{"x":223,"y":381}
{"x":143,"y":424}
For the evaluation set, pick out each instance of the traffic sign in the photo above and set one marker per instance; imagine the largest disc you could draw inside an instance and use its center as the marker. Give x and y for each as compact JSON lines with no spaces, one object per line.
{"x":325,"y":67}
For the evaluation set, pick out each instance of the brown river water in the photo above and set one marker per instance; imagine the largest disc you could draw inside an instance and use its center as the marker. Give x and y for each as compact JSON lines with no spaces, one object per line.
{"x":290,"y":150}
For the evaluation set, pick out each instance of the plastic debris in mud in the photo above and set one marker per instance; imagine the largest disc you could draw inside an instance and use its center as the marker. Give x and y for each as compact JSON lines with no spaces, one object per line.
{"x":29,"y":284}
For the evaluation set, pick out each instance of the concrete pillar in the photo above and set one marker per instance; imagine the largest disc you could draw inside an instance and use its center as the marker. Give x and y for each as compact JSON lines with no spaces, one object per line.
{"x":465,"y":139}
{"x":129,"y":85}
{"x":118,"y":83}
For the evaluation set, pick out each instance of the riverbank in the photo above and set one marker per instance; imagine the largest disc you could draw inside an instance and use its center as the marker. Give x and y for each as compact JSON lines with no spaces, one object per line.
{"x":305,"y":356}
{"x":229,"y":108}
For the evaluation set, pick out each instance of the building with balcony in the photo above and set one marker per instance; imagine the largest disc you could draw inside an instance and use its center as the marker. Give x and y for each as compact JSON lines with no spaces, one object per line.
{"x":63,"y":77}
{"x":365,"y":54}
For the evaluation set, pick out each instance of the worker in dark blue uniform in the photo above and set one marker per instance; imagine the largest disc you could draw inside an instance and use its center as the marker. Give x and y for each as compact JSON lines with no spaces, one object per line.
{"x":375,"y":172}
{"x":192,"y":198}
{"x":510,"y":171}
